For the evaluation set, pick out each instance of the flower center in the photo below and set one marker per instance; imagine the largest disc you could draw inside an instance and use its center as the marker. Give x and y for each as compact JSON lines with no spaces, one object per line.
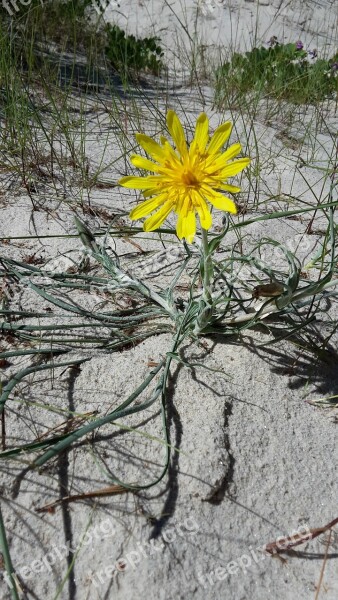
{"x":189,"y":179}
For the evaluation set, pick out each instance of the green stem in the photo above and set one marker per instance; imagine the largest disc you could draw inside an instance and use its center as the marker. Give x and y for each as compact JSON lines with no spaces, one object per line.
{"x":207,"y":267}
{"x":7,"y":560}
{"x":205,"y":303}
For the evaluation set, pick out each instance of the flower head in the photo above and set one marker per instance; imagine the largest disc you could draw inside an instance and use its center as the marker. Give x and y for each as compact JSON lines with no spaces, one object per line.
{"x":185,"y":178}
{"x":299,"y":45}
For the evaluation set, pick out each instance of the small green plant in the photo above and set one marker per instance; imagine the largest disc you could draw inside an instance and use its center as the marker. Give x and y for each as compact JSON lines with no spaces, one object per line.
{"x":132,"y":55}
{"x":285,"y":71}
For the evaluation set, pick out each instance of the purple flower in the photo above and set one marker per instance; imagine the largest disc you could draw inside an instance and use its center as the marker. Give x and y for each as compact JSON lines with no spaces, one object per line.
{"x":299,"y":45}
{"x":313,"y":53}
{"x":334,"y":66}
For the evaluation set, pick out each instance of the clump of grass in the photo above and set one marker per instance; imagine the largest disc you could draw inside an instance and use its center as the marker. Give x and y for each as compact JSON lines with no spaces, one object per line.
{"x":40,"y":25}
{"x":284,"y":71}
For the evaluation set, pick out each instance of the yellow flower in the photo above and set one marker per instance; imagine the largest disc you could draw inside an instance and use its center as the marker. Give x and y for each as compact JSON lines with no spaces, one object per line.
{"x":186,"y":178}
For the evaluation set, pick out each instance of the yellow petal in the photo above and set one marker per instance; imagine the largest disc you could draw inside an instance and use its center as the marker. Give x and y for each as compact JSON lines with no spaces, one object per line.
{"x":201,"y":134}
{"x":143,"y":163}
{"x":176,"y":132}
{"x":217,"y":184}
{"x":213,"y":163}
{"x":231,"y":152}
{"x":156,"y":220}
{"x":151,"y":147}
{"x":150,"y":192}
{"x":172,"y":159}
{"x":140,"y":183}
{"x":190,"y":227}
{"x":185,"y":205}
{"x":203,"y":211}
{"x":233,"y":189}
{"x":233,"y":168}
{"x":219,"y":138}
{"x":186,"y":226}
{"x":147,"y":207}
{"x":179,"y":226}
{"x":219,"y":201}
{"x":225,"y":204}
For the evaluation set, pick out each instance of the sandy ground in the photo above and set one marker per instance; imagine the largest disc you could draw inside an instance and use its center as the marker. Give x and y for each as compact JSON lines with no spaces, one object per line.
{"x":255,"y":460}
